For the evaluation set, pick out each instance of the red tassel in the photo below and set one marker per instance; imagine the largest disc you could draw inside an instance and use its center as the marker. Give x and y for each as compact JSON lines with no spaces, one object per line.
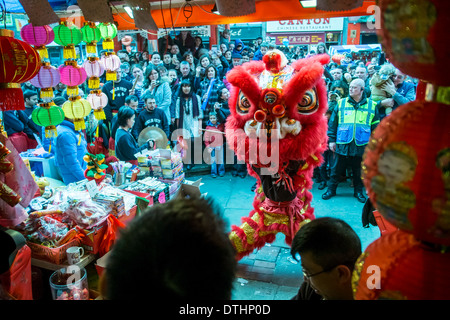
{"x":11,"y":98}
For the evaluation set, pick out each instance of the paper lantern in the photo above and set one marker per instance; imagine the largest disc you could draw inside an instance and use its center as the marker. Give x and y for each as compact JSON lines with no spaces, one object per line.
{"x":108,"y":31}
{"x":98,"y":101}
{"x":19,"y":63}
{"x":112,"y":63}
{"x":68,"y":36}
{"x":337,"y":58}
{"x":414,"y":36}
{"x":48,"y":115}
{"x":77,"y":108}
{"x":91,"y":35}
{"x":396,"y":266}
{"x":234,"y":8}
{"x":47,"y":78}
{"x":39,"y":37}
{"x":72,"y":75}
{"x":94,"y":68}
{"x":406,"y":170}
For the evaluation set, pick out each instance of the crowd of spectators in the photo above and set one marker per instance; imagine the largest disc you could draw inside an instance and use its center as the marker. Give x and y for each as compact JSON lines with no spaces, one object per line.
{"x":183,"y":85}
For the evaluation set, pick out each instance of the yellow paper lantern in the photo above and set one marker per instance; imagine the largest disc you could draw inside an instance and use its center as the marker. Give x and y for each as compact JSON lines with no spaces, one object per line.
{"x":76,"y":109}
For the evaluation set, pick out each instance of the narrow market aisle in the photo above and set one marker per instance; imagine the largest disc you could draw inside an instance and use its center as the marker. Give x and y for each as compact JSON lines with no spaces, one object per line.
{"x":270,"y":273}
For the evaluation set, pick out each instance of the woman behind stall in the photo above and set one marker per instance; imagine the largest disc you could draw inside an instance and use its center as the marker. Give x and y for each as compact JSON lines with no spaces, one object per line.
{"x":158,"y":87}
{"x":188,"y":117}
{"x":126,"y":146}
{"x":139,"y":88}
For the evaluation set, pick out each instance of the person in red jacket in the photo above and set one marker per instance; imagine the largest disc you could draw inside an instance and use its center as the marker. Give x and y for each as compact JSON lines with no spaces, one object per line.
{"x":214,"y":138}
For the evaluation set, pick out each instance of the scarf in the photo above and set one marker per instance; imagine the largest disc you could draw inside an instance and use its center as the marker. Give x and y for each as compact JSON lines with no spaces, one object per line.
{"x":184,"y":103}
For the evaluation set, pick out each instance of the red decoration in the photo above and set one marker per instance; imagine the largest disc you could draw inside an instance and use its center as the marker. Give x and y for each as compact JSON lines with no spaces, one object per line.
{"x":38,"y":36}
{"x":19,"y":63}
{"x":414,"y":36}
{"x":337,"y":58}
{"x":401,"y":161}
{"x":398,"y":267}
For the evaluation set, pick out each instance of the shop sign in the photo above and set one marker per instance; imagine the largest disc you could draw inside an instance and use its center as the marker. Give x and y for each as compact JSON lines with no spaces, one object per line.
{"x":301,"y":38}
{"x":316,"y":24}
{"x":245,"y":32}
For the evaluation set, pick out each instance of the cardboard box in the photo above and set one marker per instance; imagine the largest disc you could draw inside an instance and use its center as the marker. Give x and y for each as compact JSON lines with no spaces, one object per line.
{"x":188,"y":189}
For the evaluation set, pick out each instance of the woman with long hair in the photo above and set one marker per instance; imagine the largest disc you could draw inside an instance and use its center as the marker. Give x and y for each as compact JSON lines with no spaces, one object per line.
{"x":188,"y":117}
{"x":158,"y":87}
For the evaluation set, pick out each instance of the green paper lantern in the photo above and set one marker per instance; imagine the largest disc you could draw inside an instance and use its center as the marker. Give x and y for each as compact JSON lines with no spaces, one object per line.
{"x":108,"y":31}
{"x":68,"y":36}
{"x":48,"y":115}
{"x":91,"y":35}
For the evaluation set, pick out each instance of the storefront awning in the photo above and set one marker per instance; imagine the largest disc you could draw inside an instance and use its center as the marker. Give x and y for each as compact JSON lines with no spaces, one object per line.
{"x":180,"y":13}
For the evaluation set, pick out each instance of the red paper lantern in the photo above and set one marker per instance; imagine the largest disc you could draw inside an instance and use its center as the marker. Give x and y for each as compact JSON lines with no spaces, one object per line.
{"x":98,"y":101}
{"x":414,"y":36}
{"x":47,"y":78}
{"x":72,"y":75}
{"x":406,"y":170}
{"x":39,"y":37}
{"x":396,"y":266}
{"x":94,"y":70}
{"x":112,"y":63}
{"x":19,"y":63}
{"x":337,"y":58}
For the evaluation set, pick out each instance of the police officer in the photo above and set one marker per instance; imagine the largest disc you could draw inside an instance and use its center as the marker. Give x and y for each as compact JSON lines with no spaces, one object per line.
{"x":349,"y":129}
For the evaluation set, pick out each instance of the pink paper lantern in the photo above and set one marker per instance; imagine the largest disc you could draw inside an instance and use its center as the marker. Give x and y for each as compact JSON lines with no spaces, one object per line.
{"x":38,"y":36}
{"x":94,"y":68}
{"x":72,"y":75}
{"x":112,"y":63}
{"x":98,"y":101}
{"x":47,"y":78}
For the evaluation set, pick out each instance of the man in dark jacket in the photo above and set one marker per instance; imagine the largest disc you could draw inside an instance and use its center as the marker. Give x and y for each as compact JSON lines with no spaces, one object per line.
{"x":151,"y":116}
{"x":119,"y":89}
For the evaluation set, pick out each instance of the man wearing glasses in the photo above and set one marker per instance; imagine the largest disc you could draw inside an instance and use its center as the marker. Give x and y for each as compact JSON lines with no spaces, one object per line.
{"x":328,"y":249}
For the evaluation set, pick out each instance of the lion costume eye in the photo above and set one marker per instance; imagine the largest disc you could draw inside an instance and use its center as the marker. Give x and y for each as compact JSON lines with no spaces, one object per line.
{"x":270,"y":98}
{"x":308,"y":103}
{"x":243,"y":104}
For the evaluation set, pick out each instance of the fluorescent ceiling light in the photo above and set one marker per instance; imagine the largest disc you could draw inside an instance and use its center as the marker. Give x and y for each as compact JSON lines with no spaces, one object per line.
{"x":129,"y":11}
{"x":309,"y":3}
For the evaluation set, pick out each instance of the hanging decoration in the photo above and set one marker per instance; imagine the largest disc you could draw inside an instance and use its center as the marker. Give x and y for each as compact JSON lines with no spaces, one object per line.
{"x":95,"y":169}
{"x":77,"y":108}
{"x":406,"y":171}
{"x":112,"y":63}
{"x":127,"y":41}
{"x":68,"y":35}
{"x":72,"y":75}
{"x":39,"y":37}
{"x":235,"y":8}
{"x":94,"y":68}
{"x":47,"y":78}
{"x":407,"y":269}
{"x":48,"y":115}
{"x":98,"y":101}
{"x":413,"y":35}
{"x":19,"y":63}
{"x":108,"y":32}
{"x":91,"y":35}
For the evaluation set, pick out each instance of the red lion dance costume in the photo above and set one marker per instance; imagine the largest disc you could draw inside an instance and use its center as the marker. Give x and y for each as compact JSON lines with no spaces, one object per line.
{"x":277,"y":112}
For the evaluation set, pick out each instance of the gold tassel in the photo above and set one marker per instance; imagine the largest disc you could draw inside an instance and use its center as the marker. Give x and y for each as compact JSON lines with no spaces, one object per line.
{"x":79,"y":125}
{"x":108,"y":44}
{"x":114,"y":92}
{"x":47,"y":93}
{"x":94,"y":83}
{"x":99,"y":114}
{"x":42,"y":50}
{"x":50,"y":146}
{"x":50,"y":132}
{"x":96,"y":132}
{"x":69,"y":52}
{"x":111,"y":75}
{"x":72,"y":91}
{"x":91,"y":48}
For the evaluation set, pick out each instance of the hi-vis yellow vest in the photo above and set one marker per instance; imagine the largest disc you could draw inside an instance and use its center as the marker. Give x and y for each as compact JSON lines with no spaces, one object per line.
{"x":355,"y":124}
